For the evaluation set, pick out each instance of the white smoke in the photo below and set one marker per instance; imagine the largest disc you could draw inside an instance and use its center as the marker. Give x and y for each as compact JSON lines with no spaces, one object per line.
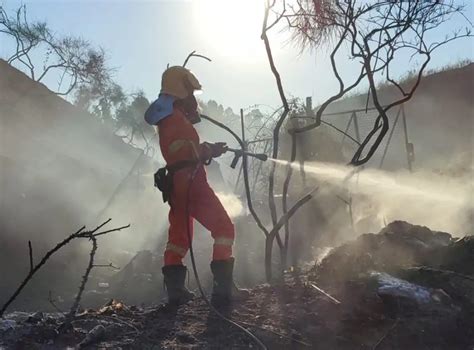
{"x":231,"y":203}
{"x":424,"y":198}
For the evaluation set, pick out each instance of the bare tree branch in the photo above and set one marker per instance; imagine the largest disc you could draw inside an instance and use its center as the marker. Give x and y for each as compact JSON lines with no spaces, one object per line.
{"x":38,"y":266}
{"x":52,"y":301}
{"x":78,"y":234}
{"x":376,"y":31}
{"x":30,"y":251}
{"x":73,"y":56}
{"x":194,"y":54}
{"x":85,"y":278}
{"x":245,"y":172}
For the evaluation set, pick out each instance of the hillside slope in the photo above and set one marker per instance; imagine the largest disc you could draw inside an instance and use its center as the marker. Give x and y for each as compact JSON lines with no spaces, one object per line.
{"x":59,"y":168}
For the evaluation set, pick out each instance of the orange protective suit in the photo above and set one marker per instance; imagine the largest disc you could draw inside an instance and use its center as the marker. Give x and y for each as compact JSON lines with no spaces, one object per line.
{"x":180,"y":141}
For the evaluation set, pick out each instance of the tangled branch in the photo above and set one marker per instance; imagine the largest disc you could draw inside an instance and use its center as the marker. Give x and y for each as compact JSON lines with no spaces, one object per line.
{"x":92,"y":235}
{"x":375,"y":33}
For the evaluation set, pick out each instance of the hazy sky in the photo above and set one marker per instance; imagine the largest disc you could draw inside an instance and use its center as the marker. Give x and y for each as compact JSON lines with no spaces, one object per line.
{"x":142,"y":37}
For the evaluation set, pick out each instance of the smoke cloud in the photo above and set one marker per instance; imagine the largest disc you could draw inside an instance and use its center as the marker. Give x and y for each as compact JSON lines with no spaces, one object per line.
{"x":231,"y":203}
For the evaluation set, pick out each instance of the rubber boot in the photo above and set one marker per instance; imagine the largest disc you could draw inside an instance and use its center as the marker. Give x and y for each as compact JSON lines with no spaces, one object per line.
{"x":225,"y":290}
{"x":174,"y":277}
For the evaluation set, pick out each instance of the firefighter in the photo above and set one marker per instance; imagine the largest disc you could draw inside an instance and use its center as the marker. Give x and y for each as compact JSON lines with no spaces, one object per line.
{"x":190,"y":196}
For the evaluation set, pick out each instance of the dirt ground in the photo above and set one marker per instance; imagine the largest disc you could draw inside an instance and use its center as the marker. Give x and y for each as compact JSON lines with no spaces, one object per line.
{"x":405,"y":287}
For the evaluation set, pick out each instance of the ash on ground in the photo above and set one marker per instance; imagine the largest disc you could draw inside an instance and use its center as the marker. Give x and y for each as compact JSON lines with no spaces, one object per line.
{"x":405,"y":287}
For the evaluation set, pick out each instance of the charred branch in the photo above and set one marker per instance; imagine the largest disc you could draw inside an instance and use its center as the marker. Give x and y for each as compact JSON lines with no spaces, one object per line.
{"x":281,"y":119}
{"x":38,"y":266}
{"x":286,"y":186}
{"x":194,"y":54}
{"x":30,"y":253}
{"x":78,"y":234}
{"x":110,"y":265}
{"x":85,"y":278}
{"x":245,"y":172}
{"x":52,"y":301}
{"x":276,"y":228}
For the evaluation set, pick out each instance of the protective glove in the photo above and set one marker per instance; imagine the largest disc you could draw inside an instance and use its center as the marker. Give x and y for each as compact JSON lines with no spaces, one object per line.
{"x":218,"y":149}
{"x":213,"y":150}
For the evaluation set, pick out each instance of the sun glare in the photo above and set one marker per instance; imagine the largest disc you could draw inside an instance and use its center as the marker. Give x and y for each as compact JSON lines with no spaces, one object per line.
{"x":231,"y":27}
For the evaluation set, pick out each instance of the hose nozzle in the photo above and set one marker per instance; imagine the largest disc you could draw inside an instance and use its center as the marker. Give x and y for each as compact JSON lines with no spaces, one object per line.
{"x":239,"y":153}
{"x":260,"y":156}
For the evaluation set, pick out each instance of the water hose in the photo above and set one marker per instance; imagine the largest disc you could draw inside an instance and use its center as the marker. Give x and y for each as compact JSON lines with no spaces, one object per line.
{"x":196,"y":276}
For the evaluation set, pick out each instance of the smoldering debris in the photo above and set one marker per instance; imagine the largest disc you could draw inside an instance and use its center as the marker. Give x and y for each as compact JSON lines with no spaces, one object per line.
{"x":407,"y":286}
{"x":398,"y":246}
{"x":421,"y":279}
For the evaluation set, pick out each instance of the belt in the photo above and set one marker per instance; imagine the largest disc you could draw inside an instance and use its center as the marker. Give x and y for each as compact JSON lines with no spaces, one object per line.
{"x":181,"y":164}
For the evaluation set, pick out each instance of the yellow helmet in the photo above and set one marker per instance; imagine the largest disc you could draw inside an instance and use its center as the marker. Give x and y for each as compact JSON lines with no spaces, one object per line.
{"x":178,"y":81}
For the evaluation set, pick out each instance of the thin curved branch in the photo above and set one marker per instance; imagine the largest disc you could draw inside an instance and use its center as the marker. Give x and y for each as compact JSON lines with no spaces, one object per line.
{"x":341,"y":131}
{"x":283,"y":219}
{"x":38,"y":266}
{"x":279,"y":123}
{"x":245,"y":172}
{"x":194,"y":54}
{"x":286,"y":185}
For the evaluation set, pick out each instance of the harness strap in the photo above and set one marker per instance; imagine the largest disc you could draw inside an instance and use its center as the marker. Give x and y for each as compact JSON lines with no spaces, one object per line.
{"x":181,"y":165}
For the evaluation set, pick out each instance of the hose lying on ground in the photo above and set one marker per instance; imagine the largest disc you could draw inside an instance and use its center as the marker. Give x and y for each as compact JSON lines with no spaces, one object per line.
{"x":198,"y":281}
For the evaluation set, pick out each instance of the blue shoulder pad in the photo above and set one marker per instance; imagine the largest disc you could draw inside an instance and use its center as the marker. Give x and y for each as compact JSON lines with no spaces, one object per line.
{"x":159,"y":109}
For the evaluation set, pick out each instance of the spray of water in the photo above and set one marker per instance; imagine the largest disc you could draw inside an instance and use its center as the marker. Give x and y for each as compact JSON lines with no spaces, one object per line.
{"x":422,"y":197}
{"x":372,"y":181}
